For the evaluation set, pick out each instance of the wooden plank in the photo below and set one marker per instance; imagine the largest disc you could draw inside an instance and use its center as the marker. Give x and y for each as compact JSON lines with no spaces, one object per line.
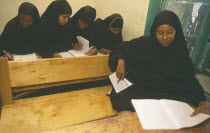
{"x":5,"y":86}
{"x":24,"y":73}
{"x":55,"y":111}
{"x":34,"y":87}
{"x":128,"y":123}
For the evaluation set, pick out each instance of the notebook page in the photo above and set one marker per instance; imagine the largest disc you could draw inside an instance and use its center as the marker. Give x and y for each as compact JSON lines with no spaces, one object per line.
{"x":66,"y":54}
{"x":180,"y":112}
{"x":152,"y":115}
{"x":25,"y":57}
{"x":77,"y":53}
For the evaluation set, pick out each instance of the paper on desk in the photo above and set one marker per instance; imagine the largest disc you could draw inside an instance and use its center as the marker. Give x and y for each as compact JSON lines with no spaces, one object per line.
{"x":25,"y":57}
{"x":66,"y":54}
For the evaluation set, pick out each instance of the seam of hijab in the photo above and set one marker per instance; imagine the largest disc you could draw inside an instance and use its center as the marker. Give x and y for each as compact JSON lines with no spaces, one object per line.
{"x":114,"y":20}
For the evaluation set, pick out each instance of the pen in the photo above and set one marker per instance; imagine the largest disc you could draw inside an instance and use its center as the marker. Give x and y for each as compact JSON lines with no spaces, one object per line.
{"x":120,"y":78}
{"x":7,"y":54}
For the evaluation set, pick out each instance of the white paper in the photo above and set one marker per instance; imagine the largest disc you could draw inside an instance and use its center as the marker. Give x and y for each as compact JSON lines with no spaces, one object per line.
{"x":99,"y":53}
{"x":24,"y":57}
{"x":77,"y":53}
{"x":166,"y":114}
{"x":66,"y":54}
{"x":85,"y":44}
{"x":121,"y":85}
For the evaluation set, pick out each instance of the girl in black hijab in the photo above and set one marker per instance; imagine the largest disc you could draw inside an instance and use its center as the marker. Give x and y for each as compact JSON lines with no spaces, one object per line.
{"x":108,"y":33}
{"x":20,"y":34}
{"x":83,"y":21}
{"x":55,"y":29}
{"x":158,"y":65}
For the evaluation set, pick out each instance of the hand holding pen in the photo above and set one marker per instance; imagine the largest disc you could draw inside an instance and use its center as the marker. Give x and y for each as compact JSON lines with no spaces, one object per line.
{"x":124,"y":76}
{"x":8,"y":55}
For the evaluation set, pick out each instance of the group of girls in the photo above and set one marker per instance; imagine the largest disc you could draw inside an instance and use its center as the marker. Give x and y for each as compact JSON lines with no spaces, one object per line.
{"x":158,"y":65}
{"x":57,"y":30}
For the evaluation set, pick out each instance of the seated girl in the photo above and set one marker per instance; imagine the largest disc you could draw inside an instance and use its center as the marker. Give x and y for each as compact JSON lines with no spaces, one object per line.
{"x":20,"y":33}
{"x":56,"y":32}
{"x":159,"y":67}
{"x":83,"y":21}
{"x":108,"y":33}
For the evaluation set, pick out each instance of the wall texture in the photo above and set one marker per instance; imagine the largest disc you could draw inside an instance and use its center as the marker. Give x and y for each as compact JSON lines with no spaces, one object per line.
{"x":134,"y":12}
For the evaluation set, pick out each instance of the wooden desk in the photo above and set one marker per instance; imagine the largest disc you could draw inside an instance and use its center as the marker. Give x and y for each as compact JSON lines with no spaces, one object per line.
{"x":128,"y":123}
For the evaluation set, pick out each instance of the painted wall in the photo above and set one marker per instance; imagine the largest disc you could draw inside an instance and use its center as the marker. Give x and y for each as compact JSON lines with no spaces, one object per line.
{"x":9,"y":8}
{"x":134,"y":12}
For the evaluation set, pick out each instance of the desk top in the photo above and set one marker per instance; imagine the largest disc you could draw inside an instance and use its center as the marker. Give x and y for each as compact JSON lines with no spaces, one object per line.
{"x":128,"y":123}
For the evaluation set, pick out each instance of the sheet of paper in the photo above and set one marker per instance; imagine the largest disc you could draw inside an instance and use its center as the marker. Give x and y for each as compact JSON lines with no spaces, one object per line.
{"x":25,"y":57}
{"x":152,"y":115}
{"x":66,"y":54}
{"x":121,"y":85}
{"x":180,"y":112}
{"x":77,"y":53}
{"x":85,"y":44}
{"x":165,"y":114}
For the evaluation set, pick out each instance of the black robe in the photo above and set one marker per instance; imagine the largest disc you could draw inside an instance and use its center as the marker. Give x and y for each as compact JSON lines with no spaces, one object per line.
{"x":103,"y":37}
{"x":157,"y":72}
{"x":19,"y":40}
{"x":53,"y":37}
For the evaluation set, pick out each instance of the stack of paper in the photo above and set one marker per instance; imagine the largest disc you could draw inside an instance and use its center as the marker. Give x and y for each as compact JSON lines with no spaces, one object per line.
{"x":166,"y":114}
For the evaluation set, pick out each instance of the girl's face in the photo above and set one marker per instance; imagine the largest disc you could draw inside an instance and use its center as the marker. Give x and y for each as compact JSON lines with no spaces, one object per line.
{"x":25,"y":20}
{"x":165,"y":35}
{"x":63,"y":19}
{"x":115,"y":30}
{"x":82,"y":25}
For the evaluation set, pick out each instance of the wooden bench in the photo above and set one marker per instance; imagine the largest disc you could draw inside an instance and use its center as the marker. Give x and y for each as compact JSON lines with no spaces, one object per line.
{"x":53,"y":111}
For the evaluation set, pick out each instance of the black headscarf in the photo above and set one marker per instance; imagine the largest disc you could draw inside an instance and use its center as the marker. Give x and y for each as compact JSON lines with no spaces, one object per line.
{"x":57,"y":7}
{"x":87,"y":14}
{"x":103,"y":37}
{"x":54,"y":37}
{"x":17,"y":39}
{"x":157,"y":72}
{"x":115,"y":21}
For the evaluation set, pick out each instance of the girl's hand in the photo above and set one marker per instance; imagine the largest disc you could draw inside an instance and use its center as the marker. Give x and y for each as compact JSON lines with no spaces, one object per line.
{"x":120,"y":71}
{"x":57,"y":55}
{"x":92,"y":52}
{"x":204,"y":107}
{"x":77,"y":46}
{"x":104,"y":51}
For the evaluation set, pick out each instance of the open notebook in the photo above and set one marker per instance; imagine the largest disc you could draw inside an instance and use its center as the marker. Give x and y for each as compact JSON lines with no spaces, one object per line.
{"x":166,"y":114}
{"x":75,"y":53}
{"x":25,"y":57}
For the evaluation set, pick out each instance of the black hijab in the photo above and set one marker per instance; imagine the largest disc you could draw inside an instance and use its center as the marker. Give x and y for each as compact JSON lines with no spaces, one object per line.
{"x":17,"y":39}
{"x":103,"y":37}
{"x":87,"y":14}
{"x":159,"y":72}
{"x":54,"y":37}
{"x":57,"y":7}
